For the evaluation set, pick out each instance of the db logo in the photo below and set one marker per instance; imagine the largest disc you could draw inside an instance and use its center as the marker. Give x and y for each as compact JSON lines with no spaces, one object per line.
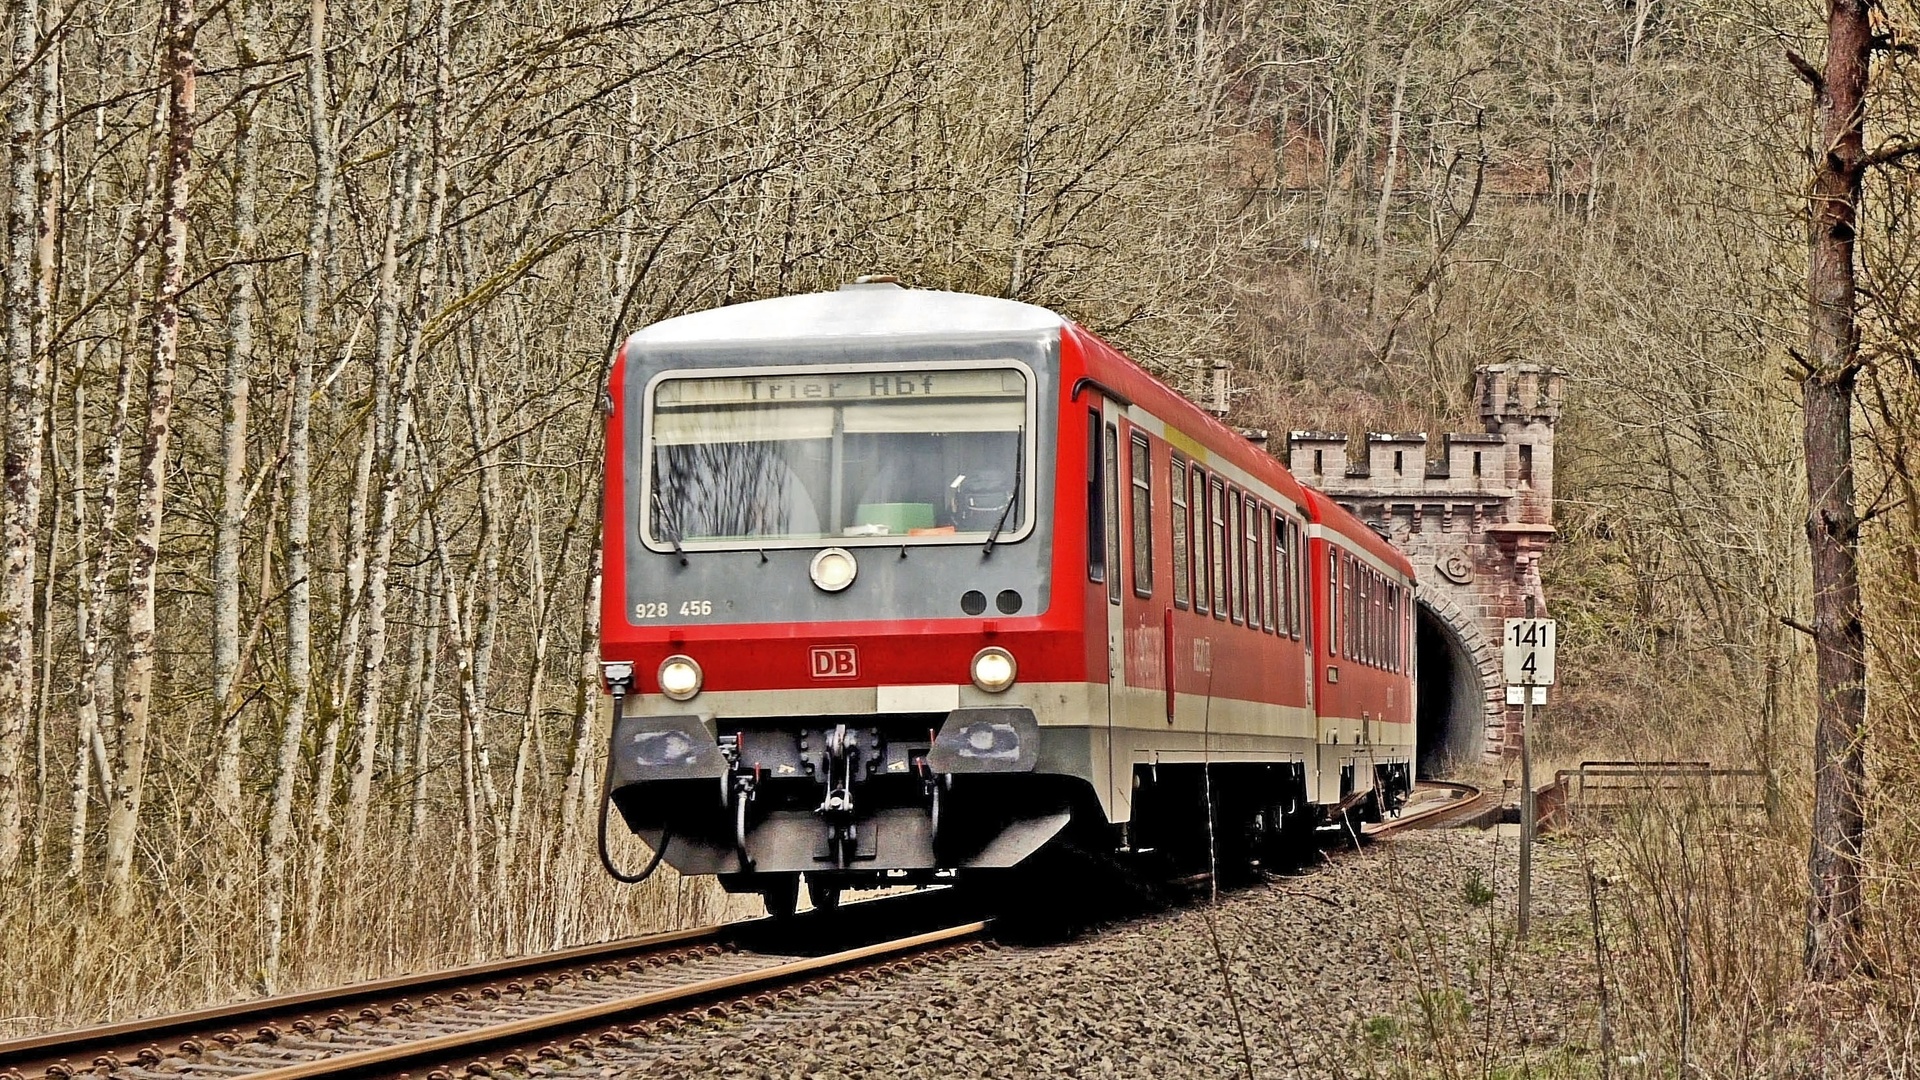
{"x":835,"y":662}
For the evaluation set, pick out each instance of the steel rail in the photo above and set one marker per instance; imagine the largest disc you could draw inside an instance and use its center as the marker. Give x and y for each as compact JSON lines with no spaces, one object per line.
{"x":419,"y":1053}
{"x":126,"y":1039}
{"x":1467,"y":801}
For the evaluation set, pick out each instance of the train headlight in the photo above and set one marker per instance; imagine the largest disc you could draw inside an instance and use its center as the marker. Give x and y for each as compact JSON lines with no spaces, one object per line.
{"x":993,"y":669}
{"x":833,"y":569}
{"x":679,"y":677}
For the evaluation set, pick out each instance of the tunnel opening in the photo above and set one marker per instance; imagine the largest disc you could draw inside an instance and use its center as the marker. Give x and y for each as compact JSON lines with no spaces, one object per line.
{"x":1450,"y":714}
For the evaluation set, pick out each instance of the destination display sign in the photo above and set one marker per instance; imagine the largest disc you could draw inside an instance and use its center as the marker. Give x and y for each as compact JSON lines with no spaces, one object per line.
{"x":847,"y":386}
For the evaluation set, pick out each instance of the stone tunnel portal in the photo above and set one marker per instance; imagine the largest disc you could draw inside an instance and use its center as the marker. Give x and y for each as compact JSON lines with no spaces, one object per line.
{"x":1450,"y":715}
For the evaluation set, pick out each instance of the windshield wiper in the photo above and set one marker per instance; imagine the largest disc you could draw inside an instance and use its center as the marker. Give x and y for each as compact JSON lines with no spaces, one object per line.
{"x":1019,"y":468}
{"x":661,"y":511}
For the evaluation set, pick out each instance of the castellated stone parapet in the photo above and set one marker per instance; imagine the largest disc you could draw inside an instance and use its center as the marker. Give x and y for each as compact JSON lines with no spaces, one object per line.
{"x":1474,"y":518}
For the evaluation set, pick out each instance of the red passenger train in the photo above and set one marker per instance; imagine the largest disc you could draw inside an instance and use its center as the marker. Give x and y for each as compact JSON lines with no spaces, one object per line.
{"x":903,"y":585}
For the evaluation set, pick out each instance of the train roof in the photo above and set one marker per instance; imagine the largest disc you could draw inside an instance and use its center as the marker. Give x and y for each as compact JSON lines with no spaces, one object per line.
{"x":1325,"y":511}
{"x":881,"y":309}
{"x":863,"y":309}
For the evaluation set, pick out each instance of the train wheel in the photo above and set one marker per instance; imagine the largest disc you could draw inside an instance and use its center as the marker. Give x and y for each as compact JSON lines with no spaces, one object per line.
{"x":822,"y":894}
{"x":781,"y":894}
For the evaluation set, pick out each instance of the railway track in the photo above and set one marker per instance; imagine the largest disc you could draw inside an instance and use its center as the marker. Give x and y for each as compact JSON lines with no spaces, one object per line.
{"x":1436,"y":804}
{"x":545,"y":1007}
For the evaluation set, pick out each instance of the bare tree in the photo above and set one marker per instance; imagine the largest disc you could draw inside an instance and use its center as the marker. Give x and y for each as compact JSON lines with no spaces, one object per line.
{"x":299,"y":659}
{"x":25,"y":420}
{"x":233,"y":439}
{"x":123,"y":813}
{"x":1832,"y":368}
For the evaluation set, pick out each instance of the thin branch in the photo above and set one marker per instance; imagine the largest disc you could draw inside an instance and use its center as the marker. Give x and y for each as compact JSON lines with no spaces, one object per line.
{"x":1808,"y":72}
{"x":1891,"y":152}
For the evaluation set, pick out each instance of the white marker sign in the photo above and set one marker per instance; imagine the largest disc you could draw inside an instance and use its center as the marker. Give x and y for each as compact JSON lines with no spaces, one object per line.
{"x":1526,"y":650}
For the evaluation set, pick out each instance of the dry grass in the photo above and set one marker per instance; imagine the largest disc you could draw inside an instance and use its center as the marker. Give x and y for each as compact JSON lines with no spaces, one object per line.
{"x":1700,"y":908}
{"x":199,"y":940}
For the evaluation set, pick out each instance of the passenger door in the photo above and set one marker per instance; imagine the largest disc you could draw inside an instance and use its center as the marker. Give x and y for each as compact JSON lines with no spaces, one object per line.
{"x":1103,"y":553}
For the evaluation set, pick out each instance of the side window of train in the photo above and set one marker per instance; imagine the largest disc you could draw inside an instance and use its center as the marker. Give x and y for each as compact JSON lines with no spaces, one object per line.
{"x":1182,"y":553}
{"x":1270,"y":527}
{"x":1406,"y":630}
{"x":1389,"y":625}
{"x":1364,"y":582}
{"x":1256,"y":567}
{"x":1333,"y":601}
{"x":1282,"y":572}
{"x":1406,"y":635}
{"x":1383,"y":621}
{"x":1366,"y":617}
{"x":1096,"y":505}
{"x":1302,"y":626}
{"x":1236,"y":568}
{"x":1217,"y":544}
{"x":1360,"y":621}
{"x":1111,"y":460}
{"x":1393,"y":627}
{"x":1350,"y":570}
{"x":1376,"y":599}
{"x":1373,"y":618}
{"x":1202,"y":588}
{"x":1141,"y":509}
{"x":1243,"y":562}
{"x":1263,"y":554}
{"x":1412,"y":639}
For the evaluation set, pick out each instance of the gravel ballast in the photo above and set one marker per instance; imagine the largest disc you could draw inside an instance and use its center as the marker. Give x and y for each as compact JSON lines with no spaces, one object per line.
{"x":1399,"y":957}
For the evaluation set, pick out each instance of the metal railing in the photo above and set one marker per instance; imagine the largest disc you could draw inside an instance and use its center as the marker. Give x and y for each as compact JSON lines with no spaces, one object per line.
{"x":1600,"y":786}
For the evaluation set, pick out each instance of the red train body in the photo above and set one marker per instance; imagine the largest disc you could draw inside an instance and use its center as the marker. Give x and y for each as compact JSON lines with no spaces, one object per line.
{"x":901,"y":584}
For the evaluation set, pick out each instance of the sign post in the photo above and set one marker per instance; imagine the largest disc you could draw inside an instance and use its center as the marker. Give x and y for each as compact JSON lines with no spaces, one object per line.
{"x":1526,"y":652}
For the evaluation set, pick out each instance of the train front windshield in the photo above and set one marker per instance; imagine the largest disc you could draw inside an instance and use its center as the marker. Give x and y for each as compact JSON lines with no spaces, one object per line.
{"x":926,"y":455}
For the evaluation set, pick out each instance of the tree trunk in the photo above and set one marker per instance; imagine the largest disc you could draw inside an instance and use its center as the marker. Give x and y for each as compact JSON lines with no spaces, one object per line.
{"x":97,"y":683}
{"x":300,"y":501}
{"x":1018,"y":277}
{"x":584,"y":739}
{"x":1387,"y":170}
{"x":423,"y":712}
{"x":1833,"y":348}
{"x":123,"y":813}
{"x":87,"y":721}
{"x":25,"y":411}
{"x":483,"y":801}
{"x":421,"y":715}
{"x":541,"y":606}
{"x":398,"y":441}
{"x":50,"y":180}
{"x":400,"y":739}
{"x":370,"y":542}
{"x":233,"y":446}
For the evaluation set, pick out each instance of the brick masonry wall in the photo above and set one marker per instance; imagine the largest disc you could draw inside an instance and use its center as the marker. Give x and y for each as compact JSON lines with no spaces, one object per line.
{"x":1474,"y":519}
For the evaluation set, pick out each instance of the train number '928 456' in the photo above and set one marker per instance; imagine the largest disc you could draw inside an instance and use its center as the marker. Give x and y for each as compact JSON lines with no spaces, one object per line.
{"x":983,"y":585}
{"x":657,"y":609}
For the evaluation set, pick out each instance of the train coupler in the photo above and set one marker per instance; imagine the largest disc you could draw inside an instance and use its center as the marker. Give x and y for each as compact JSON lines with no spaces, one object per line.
{"x":837,"y":808}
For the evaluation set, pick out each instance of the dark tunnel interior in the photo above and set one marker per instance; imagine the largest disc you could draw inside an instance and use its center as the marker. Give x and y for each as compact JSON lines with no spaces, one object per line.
{"x":1450,"y":716}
